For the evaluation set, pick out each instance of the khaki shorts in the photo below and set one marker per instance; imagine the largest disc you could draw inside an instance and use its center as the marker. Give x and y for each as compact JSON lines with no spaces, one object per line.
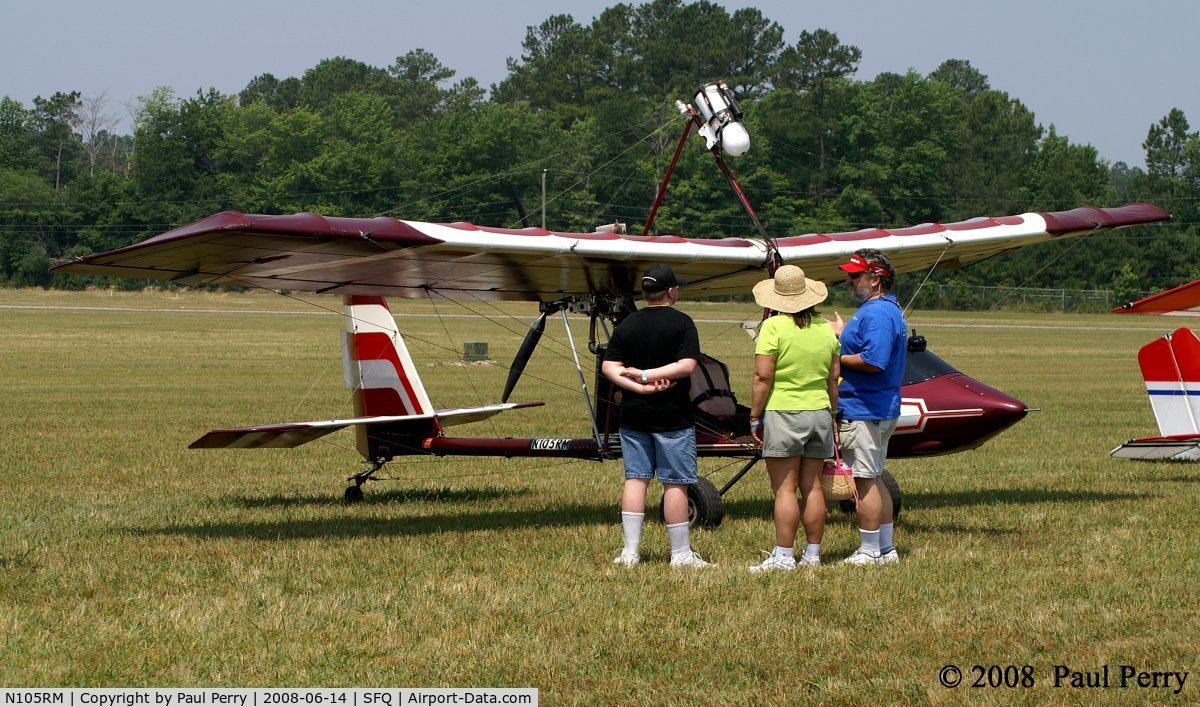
{"x":864,"y":445}
{"x":798,"y":433}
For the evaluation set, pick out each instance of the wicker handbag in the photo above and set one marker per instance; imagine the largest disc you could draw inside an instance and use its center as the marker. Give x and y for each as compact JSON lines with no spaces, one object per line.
{"x":837,"y":480}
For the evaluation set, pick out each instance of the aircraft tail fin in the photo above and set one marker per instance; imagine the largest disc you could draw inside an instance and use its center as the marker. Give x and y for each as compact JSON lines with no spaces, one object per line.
{"x":379,"y":370}
{"x":1171,"y":368}
{"x":376,"y":362}
{"x":390,"y":404}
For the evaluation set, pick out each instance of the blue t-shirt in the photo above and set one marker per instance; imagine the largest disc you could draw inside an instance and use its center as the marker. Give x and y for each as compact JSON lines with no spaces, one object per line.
{"x":879,"y":333}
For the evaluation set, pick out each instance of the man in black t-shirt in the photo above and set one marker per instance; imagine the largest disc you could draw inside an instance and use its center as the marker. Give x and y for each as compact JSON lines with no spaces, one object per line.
{"x":650,"y":356}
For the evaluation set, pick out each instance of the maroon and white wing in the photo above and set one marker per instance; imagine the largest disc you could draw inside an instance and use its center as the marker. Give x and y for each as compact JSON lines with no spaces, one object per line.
{"x":384,"y":256}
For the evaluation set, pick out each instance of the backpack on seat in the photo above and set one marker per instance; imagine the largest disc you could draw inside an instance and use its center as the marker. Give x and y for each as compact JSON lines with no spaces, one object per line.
{"x":710,"y":389}
{"x":717,"y":408}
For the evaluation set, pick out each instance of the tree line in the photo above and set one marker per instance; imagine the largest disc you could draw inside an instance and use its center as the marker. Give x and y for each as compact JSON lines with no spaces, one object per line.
{"x":588,"y":111}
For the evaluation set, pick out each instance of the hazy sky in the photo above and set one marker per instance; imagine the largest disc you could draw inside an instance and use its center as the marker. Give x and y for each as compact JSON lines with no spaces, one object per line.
{"x":1101,"y":71}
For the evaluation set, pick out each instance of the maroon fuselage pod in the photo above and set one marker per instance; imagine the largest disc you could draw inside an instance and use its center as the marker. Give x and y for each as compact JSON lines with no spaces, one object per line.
{"x":944,"y":411}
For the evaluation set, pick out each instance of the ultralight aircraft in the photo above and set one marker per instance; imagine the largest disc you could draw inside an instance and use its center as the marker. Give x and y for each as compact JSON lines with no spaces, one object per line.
{"x":595,"y":274}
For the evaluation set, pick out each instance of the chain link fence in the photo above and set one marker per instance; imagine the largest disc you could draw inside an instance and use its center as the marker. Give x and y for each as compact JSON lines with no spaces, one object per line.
{"x":977,"y":298}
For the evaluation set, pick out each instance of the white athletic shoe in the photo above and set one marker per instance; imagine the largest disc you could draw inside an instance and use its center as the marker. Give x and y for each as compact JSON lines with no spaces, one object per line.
{"x":775,"y":562}
{"x":891,"y":557}
{"x":808,"y":561}
{"x":627,"y":559}
{"x":861,"y":557}
{"x":692,"y":559}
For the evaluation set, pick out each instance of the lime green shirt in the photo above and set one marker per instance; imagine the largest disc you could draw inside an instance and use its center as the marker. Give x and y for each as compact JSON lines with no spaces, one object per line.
{"x":802,"y":360}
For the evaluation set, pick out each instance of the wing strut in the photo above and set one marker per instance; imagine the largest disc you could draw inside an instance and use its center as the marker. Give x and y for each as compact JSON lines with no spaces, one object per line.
{"x":583,"y":382}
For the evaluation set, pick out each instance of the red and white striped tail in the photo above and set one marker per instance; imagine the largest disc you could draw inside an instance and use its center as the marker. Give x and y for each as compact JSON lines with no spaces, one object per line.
{"x":376,"y":362}
{"x":390,"y":403}
{"x":1171,"y":369}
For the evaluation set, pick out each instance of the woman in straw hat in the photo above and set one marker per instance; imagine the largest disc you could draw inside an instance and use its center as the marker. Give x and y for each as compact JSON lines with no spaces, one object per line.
{"x":796,"y":369}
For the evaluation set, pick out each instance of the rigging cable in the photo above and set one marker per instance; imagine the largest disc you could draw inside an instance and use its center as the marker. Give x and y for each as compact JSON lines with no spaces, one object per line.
{"x":1053,"y":260}
{"x":927,"y":276}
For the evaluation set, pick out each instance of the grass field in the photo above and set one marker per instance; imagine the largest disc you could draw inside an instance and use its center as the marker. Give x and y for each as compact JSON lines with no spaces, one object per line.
{"x":128,"y":560}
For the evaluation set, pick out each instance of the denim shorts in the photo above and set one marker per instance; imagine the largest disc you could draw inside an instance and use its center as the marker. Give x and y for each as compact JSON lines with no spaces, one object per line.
{"x":671,"y":454}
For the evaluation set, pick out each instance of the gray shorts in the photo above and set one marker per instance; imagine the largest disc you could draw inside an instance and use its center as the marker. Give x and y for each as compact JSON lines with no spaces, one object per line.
{"x":864,"y":445}
{"x":798,"y":433}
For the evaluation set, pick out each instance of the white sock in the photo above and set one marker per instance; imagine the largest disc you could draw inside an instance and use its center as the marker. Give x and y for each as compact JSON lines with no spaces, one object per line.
{"x":870,"y":541}
{"x":885,"y":538}
{"x":812,"y":551}
{"x":681,"y":545}
{"x":781,"y":551}
{"x":632,"y":523}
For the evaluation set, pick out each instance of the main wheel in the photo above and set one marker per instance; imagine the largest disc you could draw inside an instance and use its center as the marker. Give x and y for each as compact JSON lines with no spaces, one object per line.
{"x":706,"y":509}
{"x":893,"y":488}
{"x":354,"y":494}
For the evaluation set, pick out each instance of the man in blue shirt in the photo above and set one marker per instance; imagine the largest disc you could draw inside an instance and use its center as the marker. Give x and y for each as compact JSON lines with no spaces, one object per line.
{"x":874,"y":345}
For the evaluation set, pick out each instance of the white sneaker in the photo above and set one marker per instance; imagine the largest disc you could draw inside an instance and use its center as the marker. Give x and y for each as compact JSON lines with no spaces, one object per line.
{"x":692,"y":559}
{"x":808,"y":561}
{"x":891,"y":557}
{"x":775,"y":562}
{"x":862,"y":557}
{"x":627,"y":559}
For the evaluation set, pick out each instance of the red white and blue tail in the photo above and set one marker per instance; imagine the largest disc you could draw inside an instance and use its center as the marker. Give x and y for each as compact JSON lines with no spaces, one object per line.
{"x":1171,"y":369}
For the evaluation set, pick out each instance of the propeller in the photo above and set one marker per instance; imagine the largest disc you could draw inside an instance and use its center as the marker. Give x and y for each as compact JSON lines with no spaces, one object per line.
{"x":532,"y":337}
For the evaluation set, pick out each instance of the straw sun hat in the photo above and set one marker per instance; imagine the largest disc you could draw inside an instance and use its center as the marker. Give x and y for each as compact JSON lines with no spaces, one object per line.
{"x":789,"y":291}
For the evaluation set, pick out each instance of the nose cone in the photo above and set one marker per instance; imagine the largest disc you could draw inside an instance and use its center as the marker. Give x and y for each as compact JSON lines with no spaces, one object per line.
{"x":951,"y":413}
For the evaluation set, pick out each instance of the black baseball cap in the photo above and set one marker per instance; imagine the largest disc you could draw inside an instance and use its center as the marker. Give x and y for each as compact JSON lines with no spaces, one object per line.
{"x":659,"y":278}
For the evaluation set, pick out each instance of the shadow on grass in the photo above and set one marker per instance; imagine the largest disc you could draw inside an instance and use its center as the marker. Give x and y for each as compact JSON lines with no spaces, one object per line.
{"x":354,"y":527}
{"x":910,"y":526}
{"x":373,"y":497}
{"x":764,"y":508}
{"x":748,"y":508}
{"x":1181,"y":479}
{"x":993,"y":497}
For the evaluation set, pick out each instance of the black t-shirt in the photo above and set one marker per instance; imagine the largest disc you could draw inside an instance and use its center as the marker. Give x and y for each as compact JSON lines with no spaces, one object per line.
{"x":649,"y":338}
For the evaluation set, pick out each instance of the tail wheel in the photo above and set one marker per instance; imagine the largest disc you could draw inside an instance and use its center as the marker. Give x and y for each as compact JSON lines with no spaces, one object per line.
{"x":354,"y":492}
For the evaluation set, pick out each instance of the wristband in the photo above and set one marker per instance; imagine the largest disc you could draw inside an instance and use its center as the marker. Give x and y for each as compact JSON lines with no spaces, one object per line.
{"x":644,"y":381}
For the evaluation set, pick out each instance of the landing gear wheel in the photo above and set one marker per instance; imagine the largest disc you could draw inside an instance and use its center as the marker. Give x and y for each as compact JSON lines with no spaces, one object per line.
{"x":705,"y":507}
{"x":893,"y":488}
{"x":354,"y":494}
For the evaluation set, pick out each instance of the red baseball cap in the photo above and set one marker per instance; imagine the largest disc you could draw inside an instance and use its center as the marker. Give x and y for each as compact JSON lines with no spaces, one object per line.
{"x":859,"y":264}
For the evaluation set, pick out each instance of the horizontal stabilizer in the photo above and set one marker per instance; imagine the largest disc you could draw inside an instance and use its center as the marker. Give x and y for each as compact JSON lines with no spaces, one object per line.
{"x":1181,"y":301}
{"x":461,"y":416}
{"x":293,"y":434}
{"x":1178,"y":447}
